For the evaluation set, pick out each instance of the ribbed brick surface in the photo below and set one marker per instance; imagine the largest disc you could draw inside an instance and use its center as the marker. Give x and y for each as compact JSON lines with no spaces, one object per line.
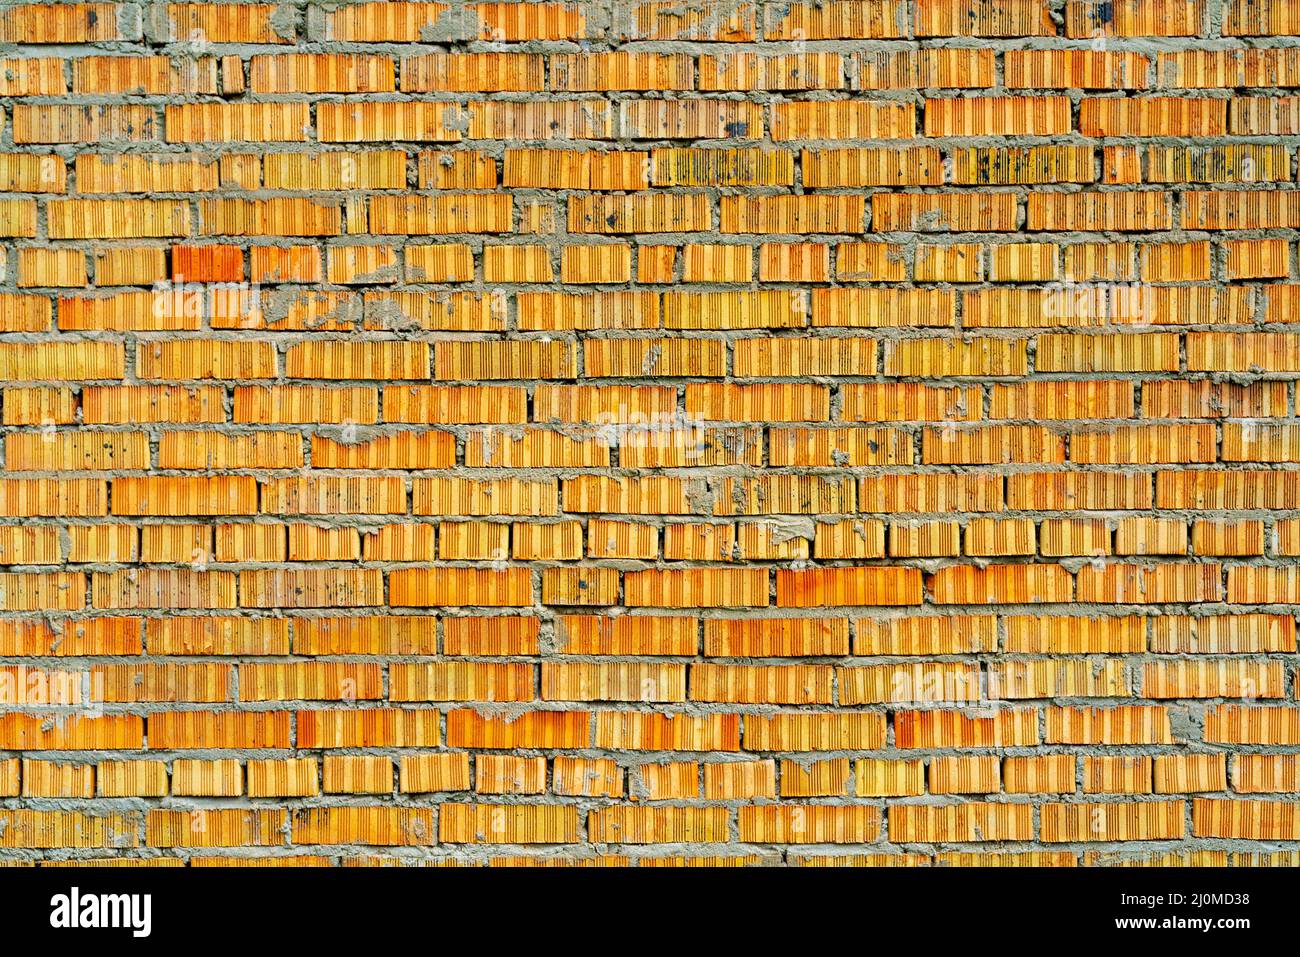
{"x":745,"y":432}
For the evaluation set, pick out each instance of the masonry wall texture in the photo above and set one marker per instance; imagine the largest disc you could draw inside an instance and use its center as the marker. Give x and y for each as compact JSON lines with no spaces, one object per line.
{"x":860,"y":431}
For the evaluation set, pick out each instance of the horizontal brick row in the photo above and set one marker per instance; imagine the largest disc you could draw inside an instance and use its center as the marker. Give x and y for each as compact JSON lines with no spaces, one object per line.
{"x":745,"y":22}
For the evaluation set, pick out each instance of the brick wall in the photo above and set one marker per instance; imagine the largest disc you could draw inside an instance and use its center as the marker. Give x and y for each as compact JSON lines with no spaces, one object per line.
{"x":666,"y":432}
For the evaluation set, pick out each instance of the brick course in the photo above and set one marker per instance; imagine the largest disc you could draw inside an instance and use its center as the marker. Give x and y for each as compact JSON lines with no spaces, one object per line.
{"x":619,"y":432}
